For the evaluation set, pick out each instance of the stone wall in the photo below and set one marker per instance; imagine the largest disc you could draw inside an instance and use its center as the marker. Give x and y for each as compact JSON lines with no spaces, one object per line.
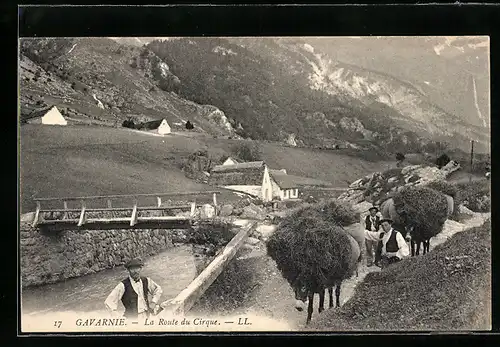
{"x":48,"y":257}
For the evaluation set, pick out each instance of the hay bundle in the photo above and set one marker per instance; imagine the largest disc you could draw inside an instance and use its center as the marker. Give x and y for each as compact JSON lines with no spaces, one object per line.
{"x":308,"y":247}
{"x":425,"y":208}
{"x":443,"y":187}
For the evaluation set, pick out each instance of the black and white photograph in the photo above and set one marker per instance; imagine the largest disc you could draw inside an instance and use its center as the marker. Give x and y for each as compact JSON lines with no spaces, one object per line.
{"x":254,"y":184}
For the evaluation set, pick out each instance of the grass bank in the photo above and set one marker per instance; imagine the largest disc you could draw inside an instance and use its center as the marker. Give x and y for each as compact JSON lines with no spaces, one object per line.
{"x":447,"y":289}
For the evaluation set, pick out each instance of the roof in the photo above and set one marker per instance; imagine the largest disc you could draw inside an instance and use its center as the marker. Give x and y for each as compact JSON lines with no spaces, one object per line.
{"x":29,"y":111}
{"x":285,"y":181}
{"x":236,"y":161}
{"x":238,"y":167}
{"x":154,"y":124}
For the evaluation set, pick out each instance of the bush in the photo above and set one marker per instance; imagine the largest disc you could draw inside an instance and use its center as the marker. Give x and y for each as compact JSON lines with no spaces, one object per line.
{"x":475,"y":195}
{"x":248,"y":151}
{"x":129,"y":123}
{"x":216,"y":233}
{"x":400,"y":157}
{"x":442,"y":160}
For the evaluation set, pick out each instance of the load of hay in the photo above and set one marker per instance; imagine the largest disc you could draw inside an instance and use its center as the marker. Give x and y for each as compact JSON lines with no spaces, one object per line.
{"x":443,"y":187}
{"x":424,"y":208}
{"x":310,"y":245}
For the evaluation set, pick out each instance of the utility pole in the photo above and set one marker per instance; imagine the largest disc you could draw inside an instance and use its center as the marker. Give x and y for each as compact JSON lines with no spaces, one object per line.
{"x":471,"y":159}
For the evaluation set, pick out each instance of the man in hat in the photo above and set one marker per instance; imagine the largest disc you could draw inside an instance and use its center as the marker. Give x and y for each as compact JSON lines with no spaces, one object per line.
{"x":372,"y":223}
{"x":392,"y":246}
{"x":133,"y":292}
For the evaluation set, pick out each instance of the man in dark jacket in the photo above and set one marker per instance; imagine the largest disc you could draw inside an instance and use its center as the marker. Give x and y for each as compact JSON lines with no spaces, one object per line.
{"x":133,"y":293}
{"x":392,"y":246}
{"x":372,"y":223}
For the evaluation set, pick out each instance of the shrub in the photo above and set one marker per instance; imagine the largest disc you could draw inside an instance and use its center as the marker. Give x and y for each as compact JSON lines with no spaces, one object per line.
{"x":400,"y":157}
{"x":213,"y":232}
{"x":129,"y":123}
{"x":475,"y":195}
{"x":247,"y":151}
{"x":442,"y":160}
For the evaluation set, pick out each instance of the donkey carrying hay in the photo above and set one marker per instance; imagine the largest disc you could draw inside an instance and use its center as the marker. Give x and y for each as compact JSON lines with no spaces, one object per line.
{"x":420,"y":210}
{"x":314,"y":252}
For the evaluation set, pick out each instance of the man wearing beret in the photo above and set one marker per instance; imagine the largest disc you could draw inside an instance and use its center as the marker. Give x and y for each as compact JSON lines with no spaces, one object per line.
{"x":372,"y":223}
{"x":133,"y":292}
{"x":392,"y":245}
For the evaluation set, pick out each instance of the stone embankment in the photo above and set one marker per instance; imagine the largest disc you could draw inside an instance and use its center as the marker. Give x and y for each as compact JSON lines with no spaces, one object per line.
{"x":52,"y":257}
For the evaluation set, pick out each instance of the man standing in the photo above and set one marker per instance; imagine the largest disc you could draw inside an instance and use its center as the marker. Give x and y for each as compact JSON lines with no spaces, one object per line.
{"x":392,"y":246}
{"x":372,"y":223}
{"x":133,"y":292}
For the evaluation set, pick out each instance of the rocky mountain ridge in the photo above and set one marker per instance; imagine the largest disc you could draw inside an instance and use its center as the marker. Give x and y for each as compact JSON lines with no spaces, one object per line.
{"x":237,"y":88}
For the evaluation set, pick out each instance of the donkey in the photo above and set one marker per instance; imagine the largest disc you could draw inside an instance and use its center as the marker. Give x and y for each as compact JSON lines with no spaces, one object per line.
{"x":305,"y":288}
{"x":303,"y":294}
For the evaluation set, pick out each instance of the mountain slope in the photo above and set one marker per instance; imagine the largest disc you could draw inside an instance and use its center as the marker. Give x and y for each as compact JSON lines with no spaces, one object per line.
{"x":275,"y":89}
{"x":82,"y":73}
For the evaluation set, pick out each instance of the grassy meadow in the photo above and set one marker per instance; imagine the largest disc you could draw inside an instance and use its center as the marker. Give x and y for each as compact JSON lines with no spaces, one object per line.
{"x":78,"y":160}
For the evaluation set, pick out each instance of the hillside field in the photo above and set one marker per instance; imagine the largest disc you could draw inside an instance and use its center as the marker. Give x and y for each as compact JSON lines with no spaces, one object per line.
{"x":78,"y":160}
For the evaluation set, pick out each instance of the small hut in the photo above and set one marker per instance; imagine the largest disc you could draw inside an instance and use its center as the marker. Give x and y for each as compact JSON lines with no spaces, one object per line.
{"x":49,"y":115}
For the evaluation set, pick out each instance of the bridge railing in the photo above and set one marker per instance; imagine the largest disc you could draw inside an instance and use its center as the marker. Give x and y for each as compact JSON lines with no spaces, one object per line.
{"x":132,"y":198}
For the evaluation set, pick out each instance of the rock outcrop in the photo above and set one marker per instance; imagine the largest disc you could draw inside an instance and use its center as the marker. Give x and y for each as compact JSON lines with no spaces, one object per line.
{"x":377,"y":186}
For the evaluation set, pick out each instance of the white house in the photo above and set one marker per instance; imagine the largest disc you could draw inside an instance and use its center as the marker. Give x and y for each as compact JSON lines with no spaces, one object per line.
{"x":250,"y":177}
{"x":284,"y":186}
{"x":48,"y":116}
{"x":159,"y":126}
{"x":164,"y":128}
{"x":230,"y":161}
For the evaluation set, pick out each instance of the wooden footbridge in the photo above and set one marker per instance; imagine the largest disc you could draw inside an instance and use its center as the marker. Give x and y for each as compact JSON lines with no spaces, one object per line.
{"x":62,"y":218}
{"x":91,"y":215}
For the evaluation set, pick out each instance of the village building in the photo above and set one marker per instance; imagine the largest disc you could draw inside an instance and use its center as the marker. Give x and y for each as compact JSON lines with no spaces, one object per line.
{"x":255,"y":178}
{"x":230,"y":161}
{"x":47,"y":115}
{"x":285,"y":186}
{"x":159,"y":126}
{"x":250,"y":177}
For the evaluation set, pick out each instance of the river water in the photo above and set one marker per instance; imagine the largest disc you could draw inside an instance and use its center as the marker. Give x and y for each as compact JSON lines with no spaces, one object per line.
{"x":172,"y":269}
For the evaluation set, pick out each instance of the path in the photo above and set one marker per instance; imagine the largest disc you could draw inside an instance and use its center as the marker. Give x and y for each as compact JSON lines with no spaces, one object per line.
{"x":268,"y":295}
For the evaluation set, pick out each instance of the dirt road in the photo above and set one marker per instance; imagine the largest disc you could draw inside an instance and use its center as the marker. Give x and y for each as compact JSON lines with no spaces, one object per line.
{"x":255,"y":287}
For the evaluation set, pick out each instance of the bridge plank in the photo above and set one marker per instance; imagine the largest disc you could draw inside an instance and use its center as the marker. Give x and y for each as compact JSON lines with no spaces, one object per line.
{"x":97,"y":197}
{"x":144,"y":208}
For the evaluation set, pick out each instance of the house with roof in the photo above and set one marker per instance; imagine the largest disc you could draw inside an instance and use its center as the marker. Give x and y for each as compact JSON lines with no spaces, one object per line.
{"x":249,"y":177}
{"x":286,"y":187}
{"x":256,"y":179}
{"x":49,"y":115}
{"x":159,"y":126}
{"x":230,"y":161}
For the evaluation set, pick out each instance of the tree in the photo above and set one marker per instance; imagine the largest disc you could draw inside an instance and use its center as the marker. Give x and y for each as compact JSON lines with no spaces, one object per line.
{"x":442,"y":160}
{"x":400,"y":156}
{"x":189,"y":125}
{"x":249,"y":151}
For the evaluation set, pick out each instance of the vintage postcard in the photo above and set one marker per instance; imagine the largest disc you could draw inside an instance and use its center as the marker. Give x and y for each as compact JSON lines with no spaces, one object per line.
{"x":214,"y":184}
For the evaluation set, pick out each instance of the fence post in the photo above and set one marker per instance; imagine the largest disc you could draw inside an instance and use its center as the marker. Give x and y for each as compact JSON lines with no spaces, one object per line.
{"x":37,"y":214}
{"x":215,"y":203}
{"x":133,"y":219}
{"x":193,"y":209}
{"x":158,"y":201}
{"x":65,"y":215}
{"x":82,"y":215}
{"x":110,"y":205}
